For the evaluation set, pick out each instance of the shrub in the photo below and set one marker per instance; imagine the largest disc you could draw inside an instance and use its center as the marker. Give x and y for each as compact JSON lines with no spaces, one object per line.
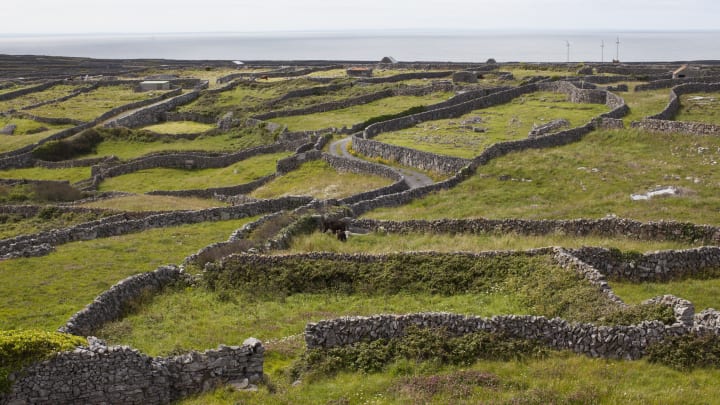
{"x":410,"y":111}
{"x":54,"y":151}
{"x":20,"y":348}
{"x":54,"y":191}
{"x":419,"y":345}
{"x":687,"y":352}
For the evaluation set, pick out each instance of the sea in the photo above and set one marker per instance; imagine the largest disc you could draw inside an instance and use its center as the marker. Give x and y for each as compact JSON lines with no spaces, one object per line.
{"x":438,"y":46}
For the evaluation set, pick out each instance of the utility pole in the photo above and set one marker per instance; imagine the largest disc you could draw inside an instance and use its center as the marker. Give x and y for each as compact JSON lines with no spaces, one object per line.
{"x":602,"y":51}
{"x":617,"y":50}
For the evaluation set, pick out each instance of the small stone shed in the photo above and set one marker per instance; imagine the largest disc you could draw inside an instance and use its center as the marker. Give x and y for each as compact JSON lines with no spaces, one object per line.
{"x":150,"y":85}
{"x":359,"y":72}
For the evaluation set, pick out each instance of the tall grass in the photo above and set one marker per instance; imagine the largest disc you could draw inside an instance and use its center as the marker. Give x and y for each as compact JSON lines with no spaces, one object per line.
{"x":700,"y":107}
{"x":388,"y":243}
{"x":72,"y":175}
{"x":154,"y":203}
{"x":513,"y":120}
{"x":318,"y":179}
{"x":179,"y":127}
{"x":178,"y":179}
{"x":359,"y":113}
{"x":43,"y":292}
{"x":588,"y":179}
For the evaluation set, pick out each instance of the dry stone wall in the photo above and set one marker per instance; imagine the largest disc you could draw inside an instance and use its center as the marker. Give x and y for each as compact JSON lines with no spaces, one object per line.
{"x":333,"y":105}
{"x":615,"y":342}
{"x":152,"y":114}
{"x":662,"y":122}
{"x":100,"y":374}
{"x":34,"y":89}
{"x":668,"y":83}
{"x":180,"y":160}
{"x":409,"y":156}
{"x":407,"y":76}
{"x":606,"y":227}
{"x":211,"y":192}
{"x":25,"y":245}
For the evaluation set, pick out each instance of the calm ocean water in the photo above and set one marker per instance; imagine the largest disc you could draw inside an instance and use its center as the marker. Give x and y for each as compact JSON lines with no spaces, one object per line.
{"x":404,"y":46}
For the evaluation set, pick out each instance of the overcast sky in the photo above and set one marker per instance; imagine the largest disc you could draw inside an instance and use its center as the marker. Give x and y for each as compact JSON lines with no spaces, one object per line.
{"x":148,"y":16}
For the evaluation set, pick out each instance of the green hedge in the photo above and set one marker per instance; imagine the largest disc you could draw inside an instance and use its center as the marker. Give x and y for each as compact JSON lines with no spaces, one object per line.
{"x":20,"y":348}
{"x":420,"y":345}
{"x":55,"y":151}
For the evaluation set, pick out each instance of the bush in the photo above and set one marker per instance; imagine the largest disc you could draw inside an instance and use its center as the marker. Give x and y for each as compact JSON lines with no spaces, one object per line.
{"x":419,"y":345}
{"x":687,"y":352}
{"x":20,"y":348}
{"x":434,"y":273}
{"x":54,"y":151}
{"x":410,"y":111}
{"x":54,"y":191}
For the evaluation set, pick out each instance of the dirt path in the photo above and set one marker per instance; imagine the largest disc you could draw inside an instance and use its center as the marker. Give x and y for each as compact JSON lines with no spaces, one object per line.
{"x":413,"y":178}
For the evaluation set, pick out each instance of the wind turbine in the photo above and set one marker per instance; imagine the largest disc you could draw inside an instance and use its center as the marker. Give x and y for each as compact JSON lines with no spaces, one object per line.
{"x":602,"y":51}
{"x":567,"y":43}
{"x":617,"y":50}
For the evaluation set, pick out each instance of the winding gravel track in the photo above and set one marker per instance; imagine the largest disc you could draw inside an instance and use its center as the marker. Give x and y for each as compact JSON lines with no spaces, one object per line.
{"x":414,"y":179}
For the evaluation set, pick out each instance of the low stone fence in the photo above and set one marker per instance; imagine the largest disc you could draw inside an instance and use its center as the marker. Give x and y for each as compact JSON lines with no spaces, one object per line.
{"x":605,"y":227}
{"x":342,"y":164}
{"x":28,"y":211}
{"x":333,"y":105}
{"x":180,"y":160}
{"x":152,"y":114}
{"x":211,"y":192}
{"x":64,"y":98}
{"x":291,"y":163}
{"x":312,"y":91}
{"x":409,"y":156}
{"x":112,"y":304}
{"x":25,"y":245}
{"x":407,"y":76}
{"x":673,"y":127}
{"x":652,"y":267}
{"x":100,"y":374}
{"x":575,"y":94}
{"x":275,"y":73}
{"x":433,"y":113}
{"x":615,"y":342}
{"x":76,"y":162}
{"x":668,"y":83}
{"x":188,"y":116}
{"x":19,"y":93}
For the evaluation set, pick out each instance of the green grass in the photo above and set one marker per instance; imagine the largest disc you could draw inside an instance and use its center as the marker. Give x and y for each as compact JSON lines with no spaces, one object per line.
{"x":227,"y":142}
{"x":72,"y":175}
{"x":700,"y":107}
{"x":388,"y":243}
{"x":13,"y":225}
{"x":644,"y":103}
{"x":359,"y":113}
{"x":178,"y":179}
{"x":561,"y":378}
{"x":180,"y":127}
{"x":702,"y":293}
{"x":510,"y":121}
{"x":145,"y":202}
{"x":21,"y":138}
{"x":37,"y":97}
{"x":88,"y":106}
{"x":43,"y":292}
{"x":160,"y":326}
{"x":245,"y":97}
{"x":588,"y":179}
{"x":318,"y":179}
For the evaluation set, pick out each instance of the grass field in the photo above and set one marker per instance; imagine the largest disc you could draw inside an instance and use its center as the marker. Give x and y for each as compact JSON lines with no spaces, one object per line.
{"x":700,"y":107}
{"x":88,"y":106}
{"x":318,"y":179}
{"x":227,"y":142}
{"x":178,"y":179}
{"x":14,"y":226}
{"x":588,"y":179}
{"x":702,"y":293}
{"x":72,"y":175}
{"x":359,"y":113}
{"x":34,"y":293}
{"x":37,"y":97}
{"x":644,"y":103}
{"x":179,"y":127}
{"x":388,"y":243}
{"x":457,"y":137}
{"x":21,"y":137}
{"x":143,"y":202}
{"x":562,"y":378}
